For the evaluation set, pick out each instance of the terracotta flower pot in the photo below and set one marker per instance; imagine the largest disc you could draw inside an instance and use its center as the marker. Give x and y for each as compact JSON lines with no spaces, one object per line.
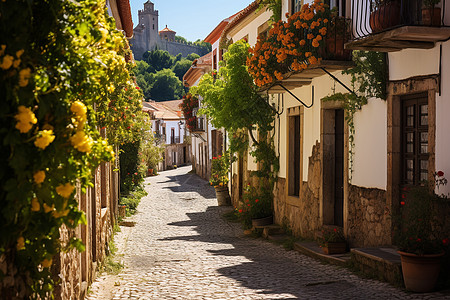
{"x":262,"y":221}
{"x":335,"y":248}
{"x":223,"y":196}
{"x":431,"y":16}
{"x":386,"y":16}
{"x":420,"y":272}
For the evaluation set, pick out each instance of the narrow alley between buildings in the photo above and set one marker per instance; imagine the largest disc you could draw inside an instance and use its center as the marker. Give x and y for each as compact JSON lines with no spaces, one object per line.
{"x":181,"y":247}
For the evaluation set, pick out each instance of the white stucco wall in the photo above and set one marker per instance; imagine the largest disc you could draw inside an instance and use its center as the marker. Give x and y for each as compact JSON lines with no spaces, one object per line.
{"x":413,"y":62}
{"x":251,"y":29}
{"x":443,"y":119}
{"x":370,"y":152}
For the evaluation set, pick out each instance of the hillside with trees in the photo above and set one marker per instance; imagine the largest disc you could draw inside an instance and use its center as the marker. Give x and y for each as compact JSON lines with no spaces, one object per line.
{"x":160,"y":74}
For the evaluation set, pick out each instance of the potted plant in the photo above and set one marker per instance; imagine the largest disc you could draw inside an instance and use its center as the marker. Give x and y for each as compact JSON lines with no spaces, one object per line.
{"x":219,"y":178}
{"x":257,"y":205}
{"x":338,"y":33}
{"x":385,"y":14}
{"x":419,"y":234}
{"x":431,"y":15}
{"x":332,"y":240}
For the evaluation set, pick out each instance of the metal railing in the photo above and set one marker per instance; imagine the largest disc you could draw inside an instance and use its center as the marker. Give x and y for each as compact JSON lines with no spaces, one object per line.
{"x":199,"y":124}
{"x":174,"y":139}
{"x":374,"y":16}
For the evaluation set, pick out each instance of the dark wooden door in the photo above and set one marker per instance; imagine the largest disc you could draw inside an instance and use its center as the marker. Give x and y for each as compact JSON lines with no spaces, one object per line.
{"x":339,"y":168}
{"x":414,"y":148}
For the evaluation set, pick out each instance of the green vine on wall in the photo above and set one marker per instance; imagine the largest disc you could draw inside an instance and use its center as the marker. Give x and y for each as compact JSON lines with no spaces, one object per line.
{"x":275,"y":6}
{"x":370,"y":75}
{"x":62,"y":76}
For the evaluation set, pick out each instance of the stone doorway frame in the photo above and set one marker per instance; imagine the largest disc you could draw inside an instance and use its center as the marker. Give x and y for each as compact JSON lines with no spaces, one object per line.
{"x":327,"y":128}
{"x":396,"y":89}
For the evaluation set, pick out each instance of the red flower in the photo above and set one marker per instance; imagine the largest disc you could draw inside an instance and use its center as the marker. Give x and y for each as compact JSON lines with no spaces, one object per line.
{"x":446,"y":242}
{"x":402,"y":202}
{"x":137,"y":88}
{"x":248,"y":204}
{"x":335,"y":230}
{"x":240,"y":210}
{"x":419,"y":240}
{"x":440,"y":173}
{"x":135,"y":173}
{"x":403,"y":196}
{"x":256,"y":201}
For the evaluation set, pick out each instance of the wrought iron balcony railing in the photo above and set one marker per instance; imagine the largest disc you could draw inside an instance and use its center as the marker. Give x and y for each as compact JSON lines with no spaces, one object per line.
{"x":374,"y":16}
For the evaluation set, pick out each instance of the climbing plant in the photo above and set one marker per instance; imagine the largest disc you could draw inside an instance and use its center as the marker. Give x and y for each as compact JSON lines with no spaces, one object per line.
{"x":62,"y":69}
{"x":231,"y":101}
{"x":369,"y":77}
{"x":275,"y":6}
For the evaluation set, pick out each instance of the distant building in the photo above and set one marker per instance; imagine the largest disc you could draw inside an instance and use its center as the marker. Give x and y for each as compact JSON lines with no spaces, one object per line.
{"x":147,"y":37}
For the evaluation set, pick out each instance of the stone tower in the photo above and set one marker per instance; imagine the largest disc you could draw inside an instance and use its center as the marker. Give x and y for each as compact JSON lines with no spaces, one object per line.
{"x":146,"y":32}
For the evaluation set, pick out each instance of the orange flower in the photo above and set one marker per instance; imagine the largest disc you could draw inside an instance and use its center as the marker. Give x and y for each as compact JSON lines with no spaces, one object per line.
{"x":323,"y":31}
{"x":310,"y":36}
{"x":308,"y":54}
{"x":315,"y":43}
{"x":302,"y":43}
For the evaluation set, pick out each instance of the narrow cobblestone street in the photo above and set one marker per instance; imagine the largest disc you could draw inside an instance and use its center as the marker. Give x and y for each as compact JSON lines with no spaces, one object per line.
{"x":181,"y":248}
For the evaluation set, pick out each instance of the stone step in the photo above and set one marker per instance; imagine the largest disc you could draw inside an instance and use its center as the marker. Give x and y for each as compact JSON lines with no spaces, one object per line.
{"x":381,"y":263}
{"x":313,"y":250}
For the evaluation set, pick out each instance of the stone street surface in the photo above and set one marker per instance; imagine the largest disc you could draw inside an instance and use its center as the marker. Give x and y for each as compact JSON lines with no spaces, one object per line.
{"x":182,"y":248}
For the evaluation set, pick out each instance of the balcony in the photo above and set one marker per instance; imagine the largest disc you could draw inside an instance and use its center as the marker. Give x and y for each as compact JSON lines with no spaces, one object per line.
{"x":197,"y":125}
{"x":396,"y":25}
{"x":331,"y":53}
{"x":174,"y":139}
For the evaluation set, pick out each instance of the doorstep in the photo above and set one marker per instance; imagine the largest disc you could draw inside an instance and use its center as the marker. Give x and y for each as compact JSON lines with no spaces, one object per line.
{"x":383,"y":263}
{"x":313,"y":250}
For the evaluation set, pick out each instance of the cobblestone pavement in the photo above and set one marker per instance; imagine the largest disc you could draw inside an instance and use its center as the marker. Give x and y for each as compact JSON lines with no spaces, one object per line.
{"x":181,"y":248}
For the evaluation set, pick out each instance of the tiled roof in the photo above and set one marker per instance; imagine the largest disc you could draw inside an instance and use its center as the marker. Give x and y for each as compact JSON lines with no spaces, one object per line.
{"x":166,"y":30}
{"x":163,"y":110}
{"x":199,"y":66}
{"x":125,"y":17}
{"x":240,"y":16}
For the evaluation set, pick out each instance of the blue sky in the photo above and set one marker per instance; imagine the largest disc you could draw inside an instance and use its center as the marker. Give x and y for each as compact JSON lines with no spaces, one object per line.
{"x":191,"y":19}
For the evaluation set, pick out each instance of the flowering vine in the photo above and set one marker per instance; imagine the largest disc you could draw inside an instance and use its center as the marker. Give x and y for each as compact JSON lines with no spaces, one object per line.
{"x":58,"y":74}
{"x":189,"y":103}
{"x":290,"y":46}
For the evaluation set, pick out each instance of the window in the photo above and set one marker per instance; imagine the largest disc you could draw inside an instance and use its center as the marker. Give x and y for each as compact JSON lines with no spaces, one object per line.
{"x":153,"y":26}
{"x":296,"y":5}
{"x":414,"y":148}
{"x":294,"y":161}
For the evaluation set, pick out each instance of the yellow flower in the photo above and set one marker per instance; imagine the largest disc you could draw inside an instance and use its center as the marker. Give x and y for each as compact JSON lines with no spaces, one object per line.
{"x":81,"y":142}
{"x":111,"y":88}
{"x":24,"y":76}
{"x":78,"y":108}
{"x":39,"y":177}
{"x":46,"y":263}
{"x":104,"y":33}
{"x":48,"y":208}
{"x":20,"y":243}
{"x":45,"y":137}
{"x":7,"y":62}
{"x":65,"y":190}
{"x":35,"y":206}
{"x":25,"y":118}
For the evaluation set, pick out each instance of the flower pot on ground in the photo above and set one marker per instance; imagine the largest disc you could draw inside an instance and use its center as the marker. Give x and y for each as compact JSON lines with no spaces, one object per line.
{"x":219,"y":178}
{"x":222,"y":195}
{"x":420,"y":234}
{"x":332,"y":240}
{"x":420,"y":272}
{"x":262,"y":221}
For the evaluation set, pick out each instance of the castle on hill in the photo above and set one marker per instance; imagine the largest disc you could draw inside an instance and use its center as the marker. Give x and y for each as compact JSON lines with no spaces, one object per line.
{"x":147,"y":37}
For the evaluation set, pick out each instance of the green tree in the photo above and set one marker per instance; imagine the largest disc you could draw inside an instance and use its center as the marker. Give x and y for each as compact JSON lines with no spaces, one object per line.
{"x":181,"y":67}
{"x":158,"y":60}
{"x":192,"y":56}
{"x":166,"y":86}
{"x":205,"y":46}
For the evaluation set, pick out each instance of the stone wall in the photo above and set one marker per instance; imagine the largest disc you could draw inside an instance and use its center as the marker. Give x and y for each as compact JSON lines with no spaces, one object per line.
{"x":174,"y":48}
{"x":301,"y":214}
{"x":369,"y":220}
